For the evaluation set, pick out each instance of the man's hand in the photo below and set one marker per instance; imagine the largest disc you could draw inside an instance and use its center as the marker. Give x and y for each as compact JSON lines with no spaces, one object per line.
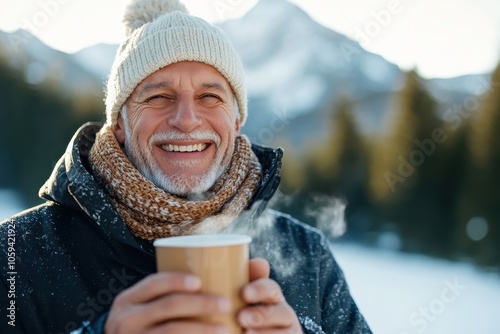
{"x":268,"y":311}
{"x":167,"y":303}
{"x":164,"y":303}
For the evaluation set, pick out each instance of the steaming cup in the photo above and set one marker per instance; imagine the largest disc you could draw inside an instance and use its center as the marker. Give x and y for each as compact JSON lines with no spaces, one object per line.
{"x":220,"y":260}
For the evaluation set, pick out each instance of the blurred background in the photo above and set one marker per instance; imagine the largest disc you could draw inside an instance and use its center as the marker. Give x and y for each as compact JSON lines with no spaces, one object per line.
{"x":388,"y":112}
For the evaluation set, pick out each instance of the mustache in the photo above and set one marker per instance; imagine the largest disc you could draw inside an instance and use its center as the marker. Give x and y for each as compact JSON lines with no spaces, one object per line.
{"x":202,"y":135}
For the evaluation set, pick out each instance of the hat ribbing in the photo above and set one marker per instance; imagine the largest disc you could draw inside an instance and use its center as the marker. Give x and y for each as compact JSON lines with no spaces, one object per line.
{"x":160,"y":33}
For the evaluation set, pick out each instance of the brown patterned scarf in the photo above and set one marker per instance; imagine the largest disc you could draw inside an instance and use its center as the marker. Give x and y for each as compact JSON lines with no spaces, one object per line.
{"x":151,"y":213}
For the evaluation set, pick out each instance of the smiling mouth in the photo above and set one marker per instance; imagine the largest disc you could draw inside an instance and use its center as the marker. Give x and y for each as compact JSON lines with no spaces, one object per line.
{"x":184,"y":148}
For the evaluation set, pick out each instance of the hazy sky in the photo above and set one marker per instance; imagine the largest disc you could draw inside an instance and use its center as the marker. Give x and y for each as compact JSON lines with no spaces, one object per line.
{"x":441,"y":38}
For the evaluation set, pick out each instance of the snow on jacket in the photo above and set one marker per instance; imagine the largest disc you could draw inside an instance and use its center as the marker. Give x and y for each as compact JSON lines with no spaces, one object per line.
{"x":63,"y":262}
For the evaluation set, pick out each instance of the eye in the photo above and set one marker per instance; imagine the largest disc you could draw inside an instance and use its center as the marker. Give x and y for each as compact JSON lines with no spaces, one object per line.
{"x":210,"y":99}
{"x":159,"y":100}
{"x":155,"y":97}
{"x":210,"y":96}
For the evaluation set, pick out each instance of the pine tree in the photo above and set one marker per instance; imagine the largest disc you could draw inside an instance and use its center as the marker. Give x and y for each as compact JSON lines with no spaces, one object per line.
{"x":480,"y":201}
{"x":340,"y":159}
{"x":37,"y":123}
{"x":338,"y":167}
{"x":398,"y":160}
{"x":407,"y":170}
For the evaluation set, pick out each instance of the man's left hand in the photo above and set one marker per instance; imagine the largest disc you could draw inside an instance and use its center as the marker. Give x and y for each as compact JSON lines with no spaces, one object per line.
{"x":268,"y":311}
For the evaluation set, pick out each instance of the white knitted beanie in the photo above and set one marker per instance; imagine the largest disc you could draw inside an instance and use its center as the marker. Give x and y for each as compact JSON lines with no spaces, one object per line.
{"x":160,"y":33}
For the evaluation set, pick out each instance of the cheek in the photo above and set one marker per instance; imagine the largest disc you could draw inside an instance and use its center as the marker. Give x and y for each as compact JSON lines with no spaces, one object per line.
{"x":225,"y":124}
{"x":144,"y":127}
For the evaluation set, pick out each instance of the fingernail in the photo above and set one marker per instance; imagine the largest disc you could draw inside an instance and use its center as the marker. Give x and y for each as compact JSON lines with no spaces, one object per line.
{"x":250,"y":292}
{"x":222,"y":330}
{"x":191,"y":282}
{"x":245,"y":318}
{"x":224,"y":304}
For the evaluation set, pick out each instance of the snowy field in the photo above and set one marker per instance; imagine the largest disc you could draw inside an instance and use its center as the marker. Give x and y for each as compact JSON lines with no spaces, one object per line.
{"x":404,"y":294}
{"x":407,"y":294}
{"x":9,"y":204}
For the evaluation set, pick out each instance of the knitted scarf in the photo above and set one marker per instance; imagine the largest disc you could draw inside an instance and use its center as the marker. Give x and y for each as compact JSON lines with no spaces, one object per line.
{"x":151,"y":213}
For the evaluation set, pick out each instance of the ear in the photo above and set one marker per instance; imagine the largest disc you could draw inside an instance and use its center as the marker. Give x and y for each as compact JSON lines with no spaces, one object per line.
{"x":237,"y":126}
{"x":119,"y":129}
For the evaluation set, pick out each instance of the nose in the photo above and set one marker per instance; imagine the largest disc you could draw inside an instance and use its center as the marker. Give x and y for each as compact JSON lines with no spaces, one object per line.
{"x":185,"y":118}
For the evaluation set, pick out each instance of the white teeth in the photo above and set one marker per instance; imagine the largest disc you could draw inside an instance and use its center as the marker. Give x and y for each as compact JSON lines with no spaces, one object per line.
{"x":184,"y":148}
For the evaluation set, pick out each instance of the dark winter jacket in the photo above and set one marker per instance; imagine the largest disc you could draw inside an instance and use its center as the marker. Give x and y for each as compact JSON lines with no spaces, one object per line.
{"x":63,"y":262}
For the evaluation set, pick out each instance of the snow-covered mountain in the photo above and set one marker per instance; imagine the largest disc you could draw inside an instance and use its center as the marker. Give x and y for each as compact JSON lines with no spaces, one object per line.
{"x":40,"y":63}
{"x":97,"y":59}
{"x":296,"y":68}
{"x":292,"y":61}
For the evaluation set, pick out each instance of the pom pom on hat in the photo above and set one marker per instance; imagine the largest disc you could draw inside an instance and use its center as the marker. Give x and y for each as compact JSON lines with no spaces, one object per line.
{"x":140,"y":12}
{"x":160,"y":33}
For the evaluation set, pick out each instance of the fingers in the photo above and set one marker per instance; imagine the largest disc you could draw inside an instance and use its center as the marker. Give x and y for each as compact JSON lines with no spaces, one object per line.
{"x":180,"y":306}
{"x":156,"y":285}
{"x":263,"y":290}
{"x":273,"y":331}
{"x":267,"y":316}
{"x":164,"y":300}
{"x":189,"y":327}
{"x":258,"y":268}
{"x":172,"y":303}
{"x":268,"y":311}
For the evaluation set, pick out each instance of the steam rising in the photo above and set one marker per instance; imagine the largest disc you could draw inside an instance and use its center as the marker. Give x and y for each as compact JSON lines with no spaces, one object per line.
{"x":329,"y":214}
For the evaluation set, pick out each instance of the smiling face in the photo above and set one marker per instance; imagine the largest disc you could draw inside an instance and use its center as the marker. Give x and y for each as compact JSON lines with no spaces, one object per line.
{"x":179,"y":127}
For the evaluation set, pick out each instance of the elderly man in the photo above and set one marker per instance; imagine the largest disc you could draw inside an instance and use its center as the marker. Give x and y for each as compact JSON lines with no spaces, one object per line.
{"x":169,"y":161}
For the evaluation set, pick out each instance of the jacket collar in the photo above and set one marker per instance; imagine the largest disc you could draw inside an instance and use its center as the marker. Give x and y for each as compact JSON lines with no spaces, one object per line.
{"x":271,"y":162}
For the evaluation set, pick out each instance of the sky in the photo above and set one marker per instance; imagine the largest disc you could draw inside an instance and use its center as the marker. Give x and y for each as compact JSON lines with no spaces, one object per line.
{"x":440,"y":38}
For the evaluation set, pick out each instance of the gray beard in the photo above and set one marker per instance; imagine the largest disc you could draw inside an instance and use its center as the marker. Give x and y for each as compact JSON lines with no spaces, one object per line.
{"x":181,"y":185}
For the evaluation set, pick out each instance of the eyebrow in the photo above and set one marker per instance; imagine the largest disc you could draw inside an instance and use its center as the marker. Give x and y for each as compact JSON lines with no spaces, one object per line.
{"x":154,"y":85}
{"x":166,"y":84}
{"x":216,"y":86}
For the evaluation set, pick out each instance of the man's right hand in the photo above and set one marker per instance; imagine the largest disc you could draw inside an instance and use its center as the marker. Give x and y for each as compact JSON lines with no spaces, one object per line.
{"x":165,"y":303}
